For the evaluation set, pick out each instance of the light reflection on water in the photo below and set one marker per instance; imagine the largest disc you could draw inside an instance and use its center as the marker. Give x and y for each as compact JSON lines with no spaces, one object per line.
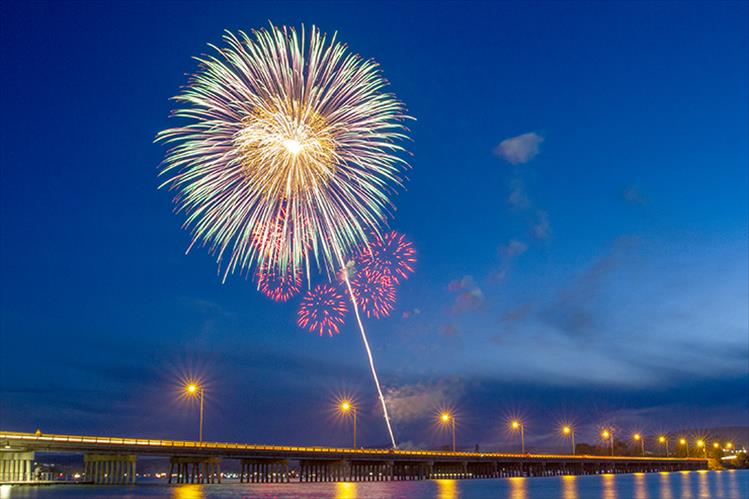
{"x":686,"y":484}
{"x":666,"y":485}
{"x":447,"y":489}
{"x":345,"y":490}
{"x":641,"y":488}
{"x":188,"y":491}
{"x":518,"y":488}
{"x":697,"y":485}
{"x":569,"y":487}
{"x":609,"y":486}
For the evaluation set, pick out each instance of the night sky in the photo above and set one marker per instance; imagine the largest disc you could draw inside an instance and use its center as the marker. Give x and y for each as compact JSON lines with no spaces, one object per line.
{"x":578,"y":201}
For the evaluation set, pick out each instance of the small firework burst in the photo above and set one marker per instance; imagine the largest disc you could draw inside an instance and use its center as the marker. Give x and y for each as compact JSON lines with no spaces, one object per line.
{"x":322,"y":310}
{"x":375,"y":294}
{"x":278,"y":286}
{"x":390,"y":255}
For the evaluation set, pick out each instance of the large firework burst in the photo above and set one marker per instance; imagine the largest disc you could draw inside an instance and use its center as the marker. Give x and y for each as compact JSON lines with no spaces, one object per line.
{"x":286,"y":131}
{"x":289,"y":158}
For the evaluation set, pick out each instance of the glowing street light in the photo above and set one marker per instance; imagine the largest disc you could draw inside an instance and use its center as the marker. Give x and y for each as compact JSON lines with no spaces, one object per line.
{"x":638,"y":438}
{"x":518,"y":425}
{"x":567,"y":431}
{"x":729,"y":445}
{"x":609,"y":435}
{"x":446,"y":418}
{"x":662,"y":439}
{"x":683,"y":441}
{"x":195,"y":390}
{"x":716,"y":445}
{"x":701,"y":445}
{"x":346,"y":407}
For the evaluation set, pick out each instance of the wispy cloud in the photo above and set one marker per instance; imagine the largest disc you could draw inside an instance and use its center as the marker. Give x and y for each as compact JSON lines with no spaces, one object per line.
{"x":520,"y":149}
{"x":632,"y":194}
{"x":541,"y":228}
{"x":468,"y":295}
{"x":415,"y":401}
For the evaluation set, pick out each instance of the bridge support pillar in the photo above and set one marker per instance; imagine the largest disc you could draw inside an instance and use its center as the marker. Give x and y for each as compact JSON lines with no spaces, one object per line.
{"x":111,"y":469}
{"x":16,"y":466}
{"x":193,"y":469}
{"x":264,"y":471}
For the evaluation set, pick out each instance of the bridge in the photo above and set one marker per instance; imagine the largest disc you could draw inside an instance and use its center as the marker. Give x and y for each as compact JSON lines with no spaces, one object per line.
{"x":112,"y":460}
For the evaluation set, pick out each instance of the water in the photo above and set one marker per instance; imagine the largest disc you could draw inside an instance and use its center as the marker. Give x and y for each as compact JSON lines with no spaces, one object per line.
{"x":680,"y":485}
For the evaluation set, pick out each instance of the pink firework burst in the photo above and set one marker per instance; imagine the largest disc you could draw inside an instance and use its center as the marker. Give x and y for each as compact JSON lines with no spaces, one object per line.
{"x":322,"y":310}
{"x":278,"y":286}
{"x":390,"y":255}
{"x":375,"y":293}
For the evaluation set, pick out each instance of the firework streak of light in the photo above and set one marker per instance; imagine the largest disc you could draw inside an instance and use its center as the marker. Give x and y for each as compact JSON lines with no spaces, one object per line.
{"x":290,"y":157}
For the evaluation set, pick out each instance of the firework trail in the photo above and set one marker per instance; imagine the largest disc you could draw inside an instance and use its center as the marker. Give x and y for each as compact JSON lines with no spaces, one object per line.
{"x":290,"y":155}
{"x":322,"y":310}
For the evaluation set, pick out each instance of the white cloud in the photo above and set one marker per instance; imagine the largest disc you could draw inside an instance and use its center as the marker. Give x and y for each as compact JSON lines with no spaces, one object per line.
{"x":541,"y":229}
{"x":520,"y":149}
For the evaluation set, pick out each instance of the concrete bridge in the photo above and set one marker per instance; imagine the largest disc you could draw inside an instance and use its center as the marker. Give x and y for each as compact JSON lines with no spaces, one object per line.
{"x":112,"y":460}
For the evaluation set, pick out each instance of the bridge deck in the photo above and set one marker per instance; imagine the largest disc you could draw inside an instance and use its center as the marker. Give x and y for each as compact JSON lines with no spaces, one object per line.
{"x":141,"y":446}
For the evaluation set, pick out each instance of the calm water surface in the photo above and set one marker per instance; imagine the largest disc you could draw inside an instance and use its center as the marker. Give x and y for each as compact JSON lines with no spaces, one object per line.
{"x":687,"y":485}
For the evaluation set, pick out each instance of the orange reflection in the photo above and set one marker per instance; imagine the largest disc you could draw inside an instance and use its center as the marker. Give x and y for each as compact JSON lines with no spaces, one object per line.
{"x":447,"y":489}
{"x":665,"y":491}
{"x":641,"y":490}
{"x":188,"y":491}
{"x":609,"y":486}
{"x":518,"y":488}
{"x":569,"y":487}
{"x":686,"y":484}
{"x":345,"y":490}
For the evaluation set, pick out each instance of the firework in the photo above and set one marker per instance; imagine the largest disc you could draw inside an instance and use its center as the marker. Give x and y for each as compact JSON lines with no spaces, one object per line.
{"x":282,"y":129}
{"x":289,"y":158}
{"x":322,"y":310}
{"x":278,"y":286}
{"x":391,"y":256}
{"x":374,"y":293}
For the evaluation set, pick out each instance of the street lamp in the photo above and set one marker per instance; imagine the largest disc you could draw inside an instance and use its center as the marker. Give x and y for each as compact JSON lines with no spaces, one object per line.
{"x":729,"y":445}
{"x":446,"y":418}
{"x":195,"y":390}
{"x":517,"y":425}
{"x":683,"y":441}
{"x":664,"y":440}
{"x":346,"y":407}
{"x":701,"y":445}
{"x":568,"y":431}
{"x":609,"y":435}
{"x":638,"y":438}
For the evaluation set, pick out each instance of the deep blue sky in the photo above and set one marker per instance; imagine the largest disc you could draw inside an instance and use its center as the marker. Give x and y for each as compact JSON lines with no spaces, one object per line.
{"x":603,"y":279}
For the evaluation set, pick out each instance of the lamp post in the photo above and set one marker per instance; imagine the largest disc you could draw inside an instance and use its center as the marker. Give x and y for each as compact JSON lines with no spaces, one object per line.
{"x":662,"y":439}
{"x":346,"y":407}
{"x":701,"y":445}
{"x":518,"y":425}
{"x":683,"y":441}
{"x":638,"y":438}
{"x":568,"y":431}
{"x":195,"y":390}
{"x":446,"y":418}
{"x":609,"y":435}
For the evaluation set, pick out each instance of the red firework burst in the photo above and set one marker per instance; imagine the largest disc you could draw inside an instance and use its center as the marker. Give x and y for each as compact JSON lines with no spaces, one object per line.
{"x":278,"y":286}
{"x":322,"y":310}
{"x":390,"y":255}
{"x":375,"y":294}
